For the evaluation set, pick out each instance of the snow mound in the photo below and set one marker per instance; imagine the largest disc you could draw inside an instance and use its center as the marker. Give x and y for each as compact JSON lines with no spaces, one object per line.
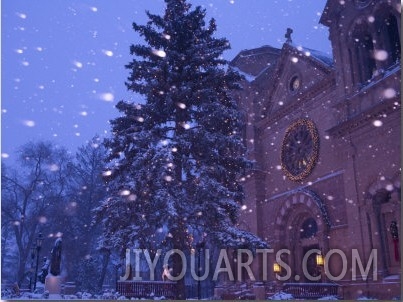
{"x":281,"y":296}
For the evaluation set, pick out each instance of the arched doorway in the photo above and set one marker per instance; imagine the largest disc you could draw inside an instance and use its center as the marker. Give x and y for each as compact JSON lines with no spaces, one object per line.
{"x":384,"y":222}
{"x":302,"y":226}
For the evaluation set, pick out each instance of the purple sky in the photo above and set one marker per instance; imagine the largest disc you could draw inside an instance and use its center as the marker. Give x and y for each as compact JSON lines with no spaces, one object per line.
{"x":63,"y":61}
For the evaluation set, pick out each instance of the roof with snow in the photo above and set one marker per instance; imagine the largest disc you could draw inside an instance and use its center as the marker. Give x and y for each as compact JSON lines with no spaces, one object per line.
{"x":252,"y":63}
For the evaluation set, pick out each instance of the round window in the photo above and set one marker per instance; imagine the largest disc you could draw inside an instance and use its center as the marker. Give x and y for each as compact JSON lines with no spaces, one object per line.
{"x":295,"y":83}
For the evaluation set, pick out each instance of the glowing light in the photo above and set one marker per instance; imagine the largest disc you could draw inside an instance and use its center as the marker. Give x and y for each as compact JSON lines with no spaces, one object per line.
{"x":294,"y":59}
{"x":276,"y":268}
{"x":320,"y":260}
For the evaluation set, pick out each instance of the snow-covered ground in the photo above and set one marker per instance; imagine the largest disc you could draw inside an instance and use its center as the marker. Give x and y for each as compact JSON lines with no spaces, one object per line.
{"x":107,"y":295}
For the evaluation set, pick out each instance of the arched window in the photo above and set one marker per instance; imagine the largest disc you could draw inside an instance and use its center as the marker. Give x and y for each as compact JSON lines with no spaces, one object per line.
{"x":363,"y":53}
{"x":389,"y":37}
{"x":309,"y":228}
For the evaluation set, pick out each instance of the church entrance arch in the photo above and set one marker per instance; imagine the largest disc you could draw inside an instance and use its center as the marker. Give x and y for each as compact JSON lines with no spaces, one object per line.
{"x":302,"y":226}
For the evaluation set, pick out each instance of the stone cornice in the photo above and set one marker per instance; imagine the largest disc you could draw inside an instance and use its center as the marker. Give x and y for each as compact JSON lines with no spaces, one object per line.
{"x":380,"y":109}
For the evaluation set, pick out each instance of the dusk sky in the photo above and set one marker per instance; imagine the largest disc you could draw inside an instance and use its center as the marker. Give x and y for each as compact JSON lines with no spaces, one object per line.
{"x":63,"y":61}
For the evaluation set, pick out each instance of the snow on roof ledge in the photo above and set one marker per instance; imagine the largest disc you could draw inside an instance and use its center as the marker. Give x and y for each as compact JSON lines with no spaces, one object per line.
{"x":248,"y":77}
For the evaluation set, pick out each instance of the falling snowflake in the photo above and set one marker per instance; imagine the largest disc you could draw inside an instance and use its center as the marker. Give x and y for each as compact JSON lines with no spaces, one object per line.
{"x":108,"y":53}
{"x":107,"y":173}
{"x":29,"y":123}
{"x":377,"y":123}
{"x":159,"y":53}
{"x":22,"y":15}
{"x":389,"y":93}
{"x":107,"y":97}
{"x":124,"y":193}
{"x":78,"y":64}
{"x":381,"y":55}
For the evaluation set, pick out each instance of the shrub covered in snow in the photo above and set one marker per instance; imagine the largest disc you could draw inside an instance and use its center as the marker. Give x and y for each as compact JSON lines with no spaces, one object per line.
{"x":281,"y":296}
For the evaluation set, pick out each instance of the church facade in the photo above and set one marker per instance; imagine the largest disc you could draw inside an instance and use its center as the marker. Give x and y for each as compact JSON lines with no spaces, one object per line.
{"x":324,"y":134}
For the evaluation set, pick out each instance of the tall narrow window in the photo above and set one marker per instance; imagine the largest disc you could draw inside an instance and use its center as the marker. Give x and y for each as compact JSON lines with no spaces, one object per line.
{"x":368,"y":56}
{"x":392,"y":39}
{"x":388,"y":36}
{"x":364,"y":53}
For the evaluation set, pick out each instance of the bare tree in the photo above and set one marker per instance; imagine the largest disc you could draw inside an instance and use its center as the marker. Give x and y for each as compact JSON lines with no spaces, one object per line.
{"x":86,"y":190}
{"x":29,"y":193}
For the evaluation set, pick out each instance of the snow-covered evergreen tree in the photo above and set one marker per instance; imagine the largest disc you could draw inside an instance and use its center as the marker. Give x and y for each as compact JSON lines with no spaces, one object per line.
{"x":177,"y":158}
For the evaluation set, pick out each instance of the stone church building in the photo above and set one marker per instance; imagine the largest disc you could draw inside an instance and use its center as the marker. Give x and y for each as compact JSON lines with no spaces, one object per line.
{"x":324,"y":134}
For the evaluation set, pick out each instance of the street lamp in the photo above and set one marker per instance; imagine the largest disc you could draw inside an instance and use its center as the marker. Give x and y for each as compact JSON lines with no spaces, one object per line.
{"x":320,"y":261}
{"x":199,"y":247}
{"x":33,"y":248}
{"x":39,"y":241}
{"x":276,"y":268}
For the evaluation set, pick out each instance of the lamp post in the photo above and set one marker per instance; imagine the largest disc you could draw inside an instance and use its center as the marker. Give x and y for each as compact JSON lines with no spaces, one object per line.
{"x":320,"y":262}
{"x":33,"y":248}
{"x":276,"y":271}
{"x":39,"y":241}
{"x":199,"y":247}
